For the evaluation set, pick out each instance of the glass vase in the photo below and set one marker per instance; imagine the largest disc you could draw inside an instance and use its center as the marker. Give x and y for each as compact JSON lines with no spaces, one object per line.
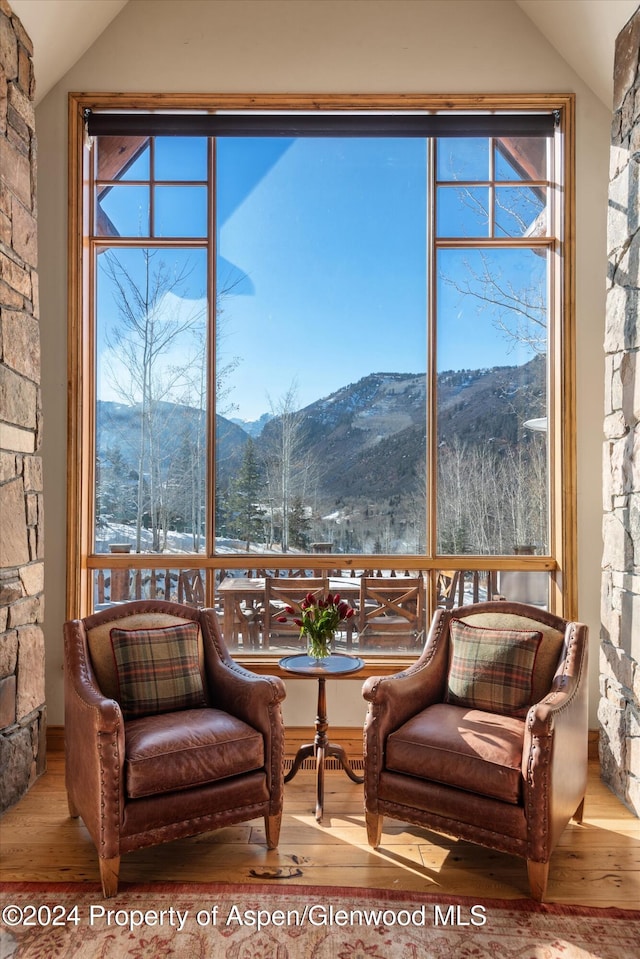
{"x":319,"y":647}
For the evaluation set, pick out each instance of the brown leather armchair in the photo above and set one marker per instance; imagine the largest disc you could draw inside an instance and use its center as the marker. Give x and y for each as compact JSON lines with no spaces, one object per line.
{"x":510,"y":780}
{"x":138,"y":780}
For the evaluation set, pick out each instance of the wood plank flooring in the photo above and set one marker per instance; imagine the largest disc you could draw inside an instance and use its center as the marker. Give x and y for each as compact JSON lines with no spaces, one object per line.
{"x":596,"y":863}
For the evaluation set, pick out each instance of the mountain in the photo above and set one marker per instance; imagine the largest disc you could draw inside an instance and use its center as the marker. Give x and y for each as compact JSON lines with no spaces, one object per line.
{"x":356,"y":434}
{"x":253,"y":427}
{"x":367,"y":441}
{"x":369,"y":438}
{"x":480,"y":406}
{"x":175,"y":425}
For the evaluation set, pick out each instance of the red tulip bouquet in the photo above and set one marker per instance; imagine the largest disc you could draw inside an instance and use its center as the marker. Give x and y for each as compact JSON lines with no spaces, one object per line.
{"x":319,"y":618}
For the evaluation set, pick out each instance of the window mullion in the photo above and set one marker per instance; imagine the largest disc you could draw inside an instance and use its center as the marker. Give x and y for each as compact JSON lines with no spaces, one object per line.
{"x":212,"y":299}
{"x":492,"y":189}
{"x":432,"y":373}
{"x":152,"y":186}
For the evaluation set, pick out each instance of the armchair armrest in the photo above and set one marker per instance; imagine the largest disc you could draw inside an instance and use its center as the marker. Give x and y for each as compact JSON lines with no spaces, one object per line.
{"x":251,"y":697}
{"x":554,"y":758}
{"x":394,"y":699}
{"x":237,"y":690}
{"x":83,"y":694}
{"x":95,"y":745}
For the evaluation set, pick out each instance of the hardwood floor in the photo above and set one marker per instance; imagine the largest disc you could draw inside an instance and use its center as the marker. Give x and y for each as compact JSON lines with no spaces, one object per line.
{"x":596,"y":863}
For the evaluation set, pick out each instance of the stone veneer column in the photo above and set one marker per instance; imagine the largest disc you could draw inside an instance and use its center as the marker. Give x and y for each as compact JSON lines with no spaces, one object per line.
{"x":619,"y":710}
{"x":22,"y":709}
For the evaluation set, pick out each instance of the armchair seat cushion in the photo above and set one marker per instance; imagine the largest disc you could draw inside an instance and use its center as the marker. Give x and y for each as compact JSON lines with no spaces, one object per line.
{"x":466,"y":748}
{"x":188,"y":748}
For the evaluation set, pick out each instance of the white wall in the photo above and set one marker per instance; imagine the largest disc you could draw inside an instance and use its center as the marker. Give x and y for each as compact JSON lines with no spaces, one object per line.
{"x":323,"y":46}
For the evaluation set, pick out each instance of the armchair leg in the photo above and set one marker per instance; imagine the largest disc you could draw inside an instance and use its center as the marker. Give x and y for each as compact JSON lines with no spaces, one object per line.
{"x":73,"y":811}
{"x":374,"y":828}
{"x":272,"y":830}
{"x":109,"y":871}
{"x":538,"y":875}
{"x":579,"y":813}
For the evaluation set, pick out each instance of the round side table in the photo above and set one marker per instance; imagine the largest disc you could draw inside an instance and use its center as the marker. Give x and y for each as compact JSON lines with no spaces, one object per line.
{"x":334,"y":666}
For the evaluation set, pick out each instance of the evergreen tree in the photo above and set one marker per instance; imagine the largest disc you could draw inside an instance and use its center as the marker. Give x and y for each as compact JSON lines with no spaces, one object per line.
{"x":116,"y":486}
{"x":299,"y":525}
{"x":248,"y":515}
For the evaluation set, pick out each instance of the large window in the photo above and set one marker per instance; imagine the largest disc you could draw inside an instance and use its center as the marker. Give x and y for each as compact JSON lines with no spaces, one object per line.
{"x":330,"y":351}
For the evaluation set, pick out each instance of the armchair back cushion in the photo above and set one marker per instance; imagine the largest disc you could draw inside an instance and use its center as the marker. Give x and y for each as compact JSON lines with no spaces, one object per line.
{"x":101,"y":649}
{"x":492,"y":669}
{"x":548,"y":652}
{"x":158,"y":669}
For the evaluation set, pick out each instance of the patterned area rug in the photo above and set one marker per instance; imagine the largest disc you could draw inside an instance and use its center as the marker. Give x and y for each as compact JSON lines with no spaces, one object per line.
{"x":196,"y":921}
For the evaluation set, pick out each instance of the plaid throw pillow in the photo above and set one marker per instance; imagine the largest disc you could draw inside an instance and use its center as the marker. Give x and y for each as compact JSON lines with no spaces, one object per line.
{"x":158,"y":669}
{"x":492,"y":669}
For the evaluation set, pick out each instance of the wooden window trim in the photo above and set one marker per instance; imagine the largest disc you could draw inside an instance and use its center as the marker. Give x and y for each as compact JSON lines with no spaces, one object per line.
{"x":562,"y":398}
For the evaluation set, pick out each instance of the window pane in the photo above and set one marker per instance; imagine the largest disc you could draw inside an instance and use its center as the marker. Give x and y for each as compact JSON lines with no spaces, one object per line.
{"x":122,"y":158}
{"x":180,"y":158}
{"x":180,"y":211}
{"x":120,"y":585}
{"x":524,"y":586}
{"x":321,"y":346}
{"x":457,"y":587}
{"x":492,"y":375}
{"x":520,"y":211}
{"x":463,"y":211}
{"x":151,"y":399}
{"x":462,"y":158}
{"x":460,"y":587}
{"x":122,"y":211}
{"x":248,"y":599}
{"x":521,"y":158}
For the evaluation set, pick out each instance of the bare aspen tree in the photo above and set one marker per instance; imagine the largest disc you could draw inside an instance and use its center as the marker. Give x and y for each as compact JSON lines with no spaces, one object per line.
{"x":150,"y":323}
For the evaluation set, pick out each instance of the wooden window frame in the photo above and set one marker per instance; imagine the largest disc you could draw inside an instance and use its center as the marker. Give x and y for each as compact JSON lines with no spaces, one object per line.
{"x":560,"y":563}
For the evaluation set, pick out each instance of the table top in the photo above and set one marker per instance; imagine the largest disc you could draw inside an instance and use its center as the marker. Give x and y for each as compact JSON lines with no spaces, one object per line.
{"x":242,"y":584}
{"x":337,"y":664}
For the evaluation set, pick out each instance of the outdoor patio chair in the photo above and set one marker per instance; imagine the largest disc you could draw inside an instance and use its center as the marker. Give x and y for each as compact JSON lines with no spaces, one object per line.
{"x":391,"y":612}
{"x":191,"y":587}
{"x":281,"y":592}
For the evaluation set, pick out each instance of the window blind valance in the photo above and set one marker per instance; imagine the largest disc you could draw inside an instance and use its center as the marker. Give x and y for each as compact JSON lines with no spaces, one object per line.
{"x":322,"y":124}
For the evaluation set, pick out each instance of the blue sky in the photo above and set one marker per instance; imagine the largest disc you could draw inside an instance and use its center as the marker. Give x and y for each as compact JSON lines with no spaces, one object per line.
{"x":321,"y":249}
{"x":332,"y":240}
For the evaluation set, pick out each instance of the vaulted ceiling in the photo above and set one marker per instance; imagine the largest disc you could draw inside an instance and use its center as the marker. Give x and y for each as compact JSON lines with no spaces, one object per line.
{"x":582,"y":31}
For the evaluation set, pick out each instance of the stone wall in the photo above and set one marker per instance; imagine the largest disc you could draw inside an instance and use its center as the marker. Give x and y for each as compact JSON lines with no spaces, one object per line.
{"x":619,"y":710}
{"x":22,"y":709}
